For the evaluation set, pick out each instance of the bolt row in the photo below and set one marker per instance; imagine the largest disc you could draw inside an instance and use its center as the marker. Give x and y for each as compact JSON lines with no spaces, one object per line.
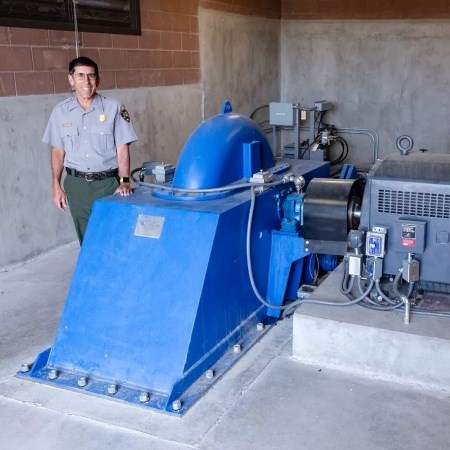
{"x":144,"y":397}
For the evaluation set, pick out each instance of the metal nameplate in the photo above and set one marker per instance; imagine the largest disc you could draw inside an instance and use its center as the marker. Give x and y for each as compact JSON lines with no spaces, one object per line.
{"x":149,"y":226}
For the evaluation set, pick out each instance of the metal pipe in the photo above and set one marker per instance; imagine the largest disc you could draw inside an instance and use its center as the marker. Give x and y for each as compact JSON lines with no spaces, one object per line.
{"x":368,"y":132}
{"x":363,"y":131}
{"x":406,"y":302}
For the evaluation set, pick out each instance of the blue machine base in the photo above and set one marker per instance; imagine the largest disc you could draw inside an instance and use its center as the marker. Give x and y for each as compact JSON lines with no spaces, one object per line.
{"x":161,"y":294}
{"x":246,"y":336}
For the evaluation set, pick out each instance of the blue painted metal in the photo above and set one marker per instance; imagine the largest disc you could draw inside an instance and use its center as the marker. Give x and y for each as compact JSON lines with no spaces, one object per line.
{"x":328,"y":262}
{"x":150,"y":310}
{"x":226,"y":107}
{"x":287,"y":248}
{"x":287,"y":259}
{"x":251,"y":158}
{"x":213,"y":156}
{"x":309,"y":270}
{"x":154,"y":314}
{"x":293,"y":212}
{"x":348,"y":172}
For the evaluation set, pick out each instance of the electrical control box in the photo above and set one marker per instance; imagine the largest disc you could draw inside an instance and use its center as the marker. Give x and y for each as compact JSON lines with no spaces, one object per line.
{"x":375,"y":243}
{"x":281,"y":114}
{"x":410,"y":236}
{"x":323,"y":105}
{"x":355,"y":265}
{"x":262,"y":177}
{"x":374,"y":268}
{"x":411,"y":270}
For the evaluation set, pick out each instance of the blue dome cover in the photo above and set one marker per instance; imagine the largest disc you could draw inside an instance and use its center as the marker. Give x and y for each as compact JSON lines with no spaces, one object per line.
{"x":213,"y":155}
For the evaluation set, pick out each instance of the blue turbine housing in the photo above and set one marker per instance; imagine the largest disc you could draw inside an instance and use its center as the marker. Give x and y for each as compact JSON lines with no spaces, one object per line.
{"x":223,"y":149}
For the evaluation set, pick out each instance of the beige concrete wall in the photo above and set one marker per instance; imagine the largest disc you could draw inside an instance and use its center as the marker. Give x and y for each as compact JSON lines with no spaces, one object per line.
{"x":390,"y":76}
{"x":29,"y":223}
{"x":239,"y":60}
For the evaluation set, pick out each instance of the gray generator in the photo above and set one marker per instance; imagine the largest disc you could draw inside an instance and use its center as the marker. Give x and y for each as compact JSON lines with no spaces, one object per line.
{"x":397,"y":222}
{"x":406,"y":210}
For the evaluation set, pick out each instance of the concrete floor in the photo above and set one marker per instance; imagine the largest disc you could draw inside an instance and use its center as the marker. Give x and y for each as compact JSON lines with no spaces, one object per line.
{"x":266,"y":401}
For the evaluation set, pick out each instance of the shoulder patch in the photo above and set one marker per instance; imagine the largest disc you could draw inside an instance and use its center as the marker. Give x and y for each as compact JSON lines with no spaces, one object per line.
{"x":125,"y":115}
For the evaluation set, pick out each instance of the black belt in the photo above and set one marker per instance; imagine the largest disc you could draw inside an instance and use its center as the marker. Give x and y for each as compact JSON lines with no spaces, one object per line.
{"x":93,"y":176}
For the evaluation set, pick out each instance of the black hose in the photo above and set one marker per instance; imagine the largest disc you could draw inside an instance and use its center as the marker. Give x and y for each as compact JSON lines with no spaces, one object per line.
{"x":339,"y":158}
{"x":258,"y":109}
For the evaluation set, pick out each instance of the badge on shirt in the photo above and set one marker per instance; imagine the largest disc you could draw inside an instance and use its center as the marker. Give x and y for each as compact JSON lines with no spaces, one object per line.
{"x":102,"y":118}
{"x":66,"y":125}
{"x":125,"y":115}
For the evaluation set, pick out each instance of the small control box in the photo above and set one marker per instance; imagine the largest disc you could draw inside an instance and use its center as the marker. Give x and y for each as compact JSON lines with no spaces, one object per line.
{"x":375,"y":243}
{"x":374,"y":268}
{"x":410,"y":236}
{"x":355,"y":265}
{"x":261,"y":177}
{"x":281,"y":114}
{"x":323,"y":105}
{"x":411,"y":270}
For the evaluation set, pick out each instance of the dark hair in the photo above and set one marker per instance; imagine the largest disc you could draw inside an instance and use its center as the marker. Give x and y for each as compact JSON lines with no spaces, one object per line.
{"x":82,"y":61}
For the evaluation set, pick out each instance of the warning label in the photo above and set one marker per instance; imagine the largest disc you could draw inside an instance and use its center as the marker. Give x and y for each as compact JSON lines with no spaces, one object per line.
{"x":408,"y":231}
{"x":408,"y":242}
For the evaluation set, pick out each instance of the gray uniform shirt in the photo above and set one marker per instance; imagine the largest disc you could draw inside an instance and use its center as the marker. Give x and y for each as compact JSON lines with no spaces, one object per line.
{"x":90,"y":137}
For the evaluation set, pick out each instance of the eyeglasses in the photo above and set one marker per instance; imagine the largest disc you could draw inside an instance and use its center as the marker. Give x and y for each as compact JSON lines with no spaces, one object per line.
{"x":82,"y":76}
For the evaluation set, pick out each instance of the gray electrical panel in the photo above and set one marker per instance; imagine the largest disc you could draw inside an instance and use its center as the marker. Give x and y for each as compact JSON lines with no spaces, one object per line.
{"x":281,"y":114}
{"x":410,"y":236}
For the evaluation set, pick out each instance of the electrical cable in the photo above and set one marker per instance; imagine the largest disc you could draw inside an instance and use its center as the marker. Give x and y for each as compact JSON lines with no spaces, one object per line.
{"x":383,"y":295}
{"x":314,"y":270}
{"x":382,"y":308}
{"x":345,"y":143}
{"x":75,"y":21}
{"x":349,"y":286}
{"x":344,"y":153}
{"x":395,"y":285}
{"x":230,"y":187}
{"x":366,"y":299}
{"x":319,"y":123}
{"x":249,"y":258}
{"x":339,"y":158}
{"x":354,"y":301}
{"x":258,"y":109}
{"x":345,"y":287}
{"x":308,"y":147}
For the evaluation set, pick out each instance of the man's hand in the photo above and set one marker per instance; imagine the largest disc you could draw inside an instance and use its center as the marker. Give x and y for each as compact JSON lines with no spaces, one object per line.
{"x":124,"y":189}
{"x":59,"y":197}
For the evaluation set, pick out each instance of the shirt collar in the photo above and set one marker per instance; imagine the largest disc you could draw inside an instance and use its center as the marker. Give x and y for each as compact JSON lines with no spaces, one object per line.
{"x":96,"y":104}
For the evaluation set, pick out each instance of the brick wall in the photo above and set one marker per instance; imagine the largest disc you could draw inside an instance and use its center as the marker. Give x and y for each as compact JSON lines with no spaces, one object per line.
{"x":364,"y":9}
{"x":34,"y":61}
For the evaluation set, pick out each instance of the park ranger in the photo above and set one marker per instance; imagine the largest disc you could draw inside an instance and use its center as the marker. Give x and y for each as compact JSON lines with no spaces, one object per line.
{"x":89,"y":135}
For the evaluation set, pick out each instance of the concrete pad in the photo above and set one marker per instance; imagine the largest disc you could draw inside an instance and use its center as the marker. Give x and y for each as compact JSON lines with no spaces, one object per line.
{"x":373,"y":343}
{"x":266,"y":401}
{"x":32,"y":297}
{"x":32,"y":428}
{"x":290,"y":406}
{"x":188,"y":430}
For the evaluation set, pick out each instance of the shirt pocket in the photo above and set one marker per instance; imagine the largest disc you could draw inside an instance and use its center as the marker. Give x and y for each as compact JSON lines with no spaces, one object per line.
{"x":103,"y":138}
{"x":70,"y":138}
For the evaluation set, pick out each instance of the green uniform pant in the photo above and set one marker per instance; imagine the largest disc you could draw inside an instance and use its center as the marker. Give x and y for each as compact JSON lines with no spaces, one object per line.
{"x":81,"y":195}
